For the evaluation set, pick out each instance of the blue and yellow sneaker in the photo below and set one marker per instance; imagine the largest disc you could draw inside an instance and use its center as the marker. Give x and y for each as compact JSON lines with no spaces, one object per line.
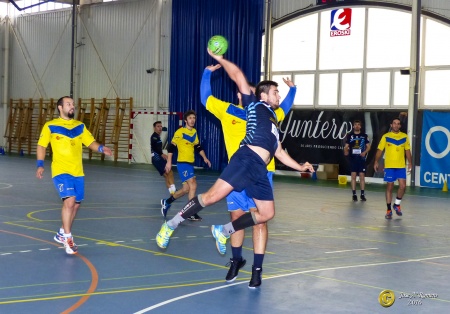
{"x":221,"y":239}
{"x":163,"y":236}
{"x":164,"y":207}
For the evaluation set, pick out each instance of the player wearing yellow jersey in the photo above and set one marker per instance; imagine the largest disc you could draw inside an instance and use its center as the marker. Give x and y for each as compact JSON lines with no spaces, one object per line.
{"x":186,"y":141}
{"x":233,"y":121}
{"x":396,"y":146}
{"x":67,"y":137}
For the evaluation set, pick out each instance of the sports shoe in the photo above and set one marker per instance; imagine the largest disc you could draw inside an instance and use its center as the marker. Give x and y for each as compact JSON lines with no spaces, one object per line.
{"x":363,"y":198}
{"x":255,"y":281}
{"x":355,"y":198}
{"x":221,"y":240}
{"x":163,"y":236}
{"x":195,"y":217}
{"x":59,"y":237}
{"x":164,"y":207}
{"x":397,"y":209}
{"x":70,"y":246}
{"x":388,"y":214}
{"x":235,"y":265}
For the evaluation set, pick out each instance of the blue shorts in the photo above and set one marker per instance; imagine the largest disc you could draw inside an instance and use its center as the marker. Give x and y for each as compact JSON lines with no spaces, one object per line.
{"x":392,"y":174}
{"x":240,"y":200}
{"x":69,"y":186}
{"x":357,"y":164}
{"x":159,"y":163}
{"x":186,"y":171}
{"x":248,"y":171}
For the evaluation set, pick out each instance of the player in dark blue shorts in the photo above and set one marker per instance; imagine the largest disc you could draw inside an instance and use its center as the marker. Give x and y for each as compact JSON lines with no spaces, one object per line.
{"x":247,"y":170}
{"x":357,"y":146}
{"x":159,"y":158}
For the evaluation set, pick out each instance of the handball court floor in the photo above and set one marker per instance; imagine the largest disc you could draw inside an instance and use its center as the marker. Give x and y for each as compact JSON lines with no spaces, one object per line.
{"x":325,"y":254}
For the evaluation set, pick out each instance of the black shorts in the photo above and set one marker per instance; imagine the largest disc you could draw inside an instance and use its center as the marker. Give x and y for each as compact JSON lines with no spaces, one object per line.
{"x":248,"y":171}
{"x":357,"y":164}
{"x":159,"y":163}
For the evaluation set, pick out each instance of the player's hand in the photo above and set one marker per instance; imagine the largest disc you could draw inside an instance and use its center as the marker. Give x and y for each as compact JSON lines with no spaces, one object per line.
{"x":375,"y":166}
{"x":206,"y":160}
{"x":164,"y":156}
{"x":107,"y":151}
{"x":288,"y":82}
{"x":308,"y":167}
{"x":363,"y":154}
{"x":168,"y":167}
{"x":40,"y":173}
{"x":212,"y":68}
{"x":216,"y":57}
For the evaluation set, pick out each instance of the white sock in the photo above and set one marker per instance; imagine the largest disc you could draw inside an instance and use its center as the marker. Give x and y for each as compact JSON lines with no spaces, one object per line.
{"x":67,"y":235}
{"x":172,"y":189}
{"x":61,"y":230}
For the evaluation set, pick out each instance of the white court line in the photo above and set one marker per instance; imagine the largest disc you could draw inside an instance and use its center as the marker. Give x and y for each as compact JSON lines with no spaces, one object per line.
{"x":280,"y":276}
{"x":332,"y":252}
{"x":7,"y":186}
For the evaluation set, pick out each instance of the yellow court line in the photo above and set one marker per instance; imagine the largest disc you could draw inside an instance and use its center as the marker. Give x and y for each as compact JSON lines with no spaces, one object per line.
{"x":111,"y":292}
{"x":127,"y":246}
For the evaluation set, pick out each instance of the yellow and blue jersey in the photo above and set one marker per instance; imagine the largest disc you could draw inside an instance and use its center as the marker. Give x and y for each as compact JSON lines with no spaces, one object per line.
{"x":67,"y":138}
{"x":185,"y":140}
{"x":395,"y":145}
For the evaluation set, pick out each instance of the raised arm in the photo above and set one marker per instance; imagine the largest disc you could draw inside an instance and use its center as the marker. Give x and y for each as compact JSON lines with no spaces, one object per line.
{"x":234,"y":72}
{"x":205,"y":85}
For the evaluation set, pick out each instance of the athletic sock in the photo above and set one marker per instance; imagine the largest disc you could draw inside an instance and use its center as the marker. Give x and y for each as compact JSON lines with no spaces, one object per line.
{"x":389,"y":206}
{"x":354,"y":192}
{"x":237,"y":252}
{"x":68,"y":235}
{"x":397,"y":201}
{"x":362,"y":192}
{"x":245,"y":221}
{"x":175,"y":221}
{"x":192,"y":207}
{"x":172,"y":189}
{"x":258,"y":260}
{"x":61,"y":230}
{"x":170,"y":200}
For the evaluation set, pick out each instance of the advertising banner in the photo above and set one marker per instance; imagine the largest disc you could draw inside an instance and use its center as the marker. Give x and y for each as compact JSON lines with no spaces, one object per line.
{"x":435,"y":158}
{"x":319,"y":136}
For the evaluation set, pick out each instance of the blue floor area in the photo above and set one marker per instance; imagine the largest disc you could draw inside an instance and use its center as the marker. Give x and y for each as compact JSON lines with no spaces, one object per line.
{"x":326,"y":254}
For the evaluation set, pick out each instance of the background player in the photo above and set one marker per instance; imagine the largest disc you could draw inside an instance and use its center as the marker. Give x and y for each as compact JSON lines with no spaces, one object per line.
{"x":159,"y":158}
{"x":357,"y":147}
{"x":67,"y":137}
{"x":186,"y":141}
{"x":396,"y":146}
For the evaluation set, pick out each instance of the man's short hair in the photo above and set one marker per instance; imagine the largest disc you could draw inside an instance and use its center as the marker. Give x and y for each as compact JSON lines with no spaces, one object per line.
{"x":188,"y":113}
{"x":357,"y":121}
{"x":155,"y":123}
{"x":264,"y":87}
{"x":392,"y":121}
{"x":60,"y":102}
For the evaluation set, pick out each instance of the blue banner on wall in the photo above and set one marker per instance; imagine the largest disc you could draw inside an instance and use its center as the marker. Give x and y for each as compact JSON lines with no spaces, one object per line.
{"x":435,"y":158}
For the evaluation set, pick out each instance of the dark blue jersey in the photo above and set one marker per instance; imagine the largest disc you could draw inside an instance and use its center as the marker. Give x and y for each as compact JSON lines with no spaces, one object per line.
{"x":156,"y":144}
{"x":357,"y":143}
{"x":262,"y":127}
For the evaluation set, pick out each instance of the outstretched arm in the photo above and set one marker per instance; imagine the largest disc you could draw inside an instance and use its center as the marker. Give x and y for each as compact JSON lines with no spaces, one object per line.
{"x":234,"y":72}
{"x":288,"y":161}
{"x":96,"y":147}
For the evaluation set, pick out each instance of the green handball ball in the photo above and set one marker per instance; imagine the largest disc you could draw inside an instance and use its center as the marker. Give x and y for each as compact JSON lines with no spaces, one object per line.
{"x":218,"y":45}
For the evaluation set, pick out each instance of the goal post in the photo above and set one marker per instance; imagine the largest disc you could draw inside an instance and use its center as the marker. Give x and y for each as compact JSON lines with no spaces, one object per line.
{"x":141,"y":128}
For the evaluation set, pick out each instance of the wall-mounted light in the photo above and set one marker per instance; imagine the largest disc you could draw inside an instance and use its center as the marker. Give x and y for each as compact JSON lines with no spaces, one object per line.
{"x":405,"y":71}
{"x":151,"y":70}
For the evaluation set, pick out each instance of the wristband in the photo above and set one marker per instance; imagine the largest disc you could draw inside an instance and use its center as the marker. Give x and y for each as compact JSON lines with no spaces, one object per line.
{"x":40,"y":163}
{"x":100,"y":149}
